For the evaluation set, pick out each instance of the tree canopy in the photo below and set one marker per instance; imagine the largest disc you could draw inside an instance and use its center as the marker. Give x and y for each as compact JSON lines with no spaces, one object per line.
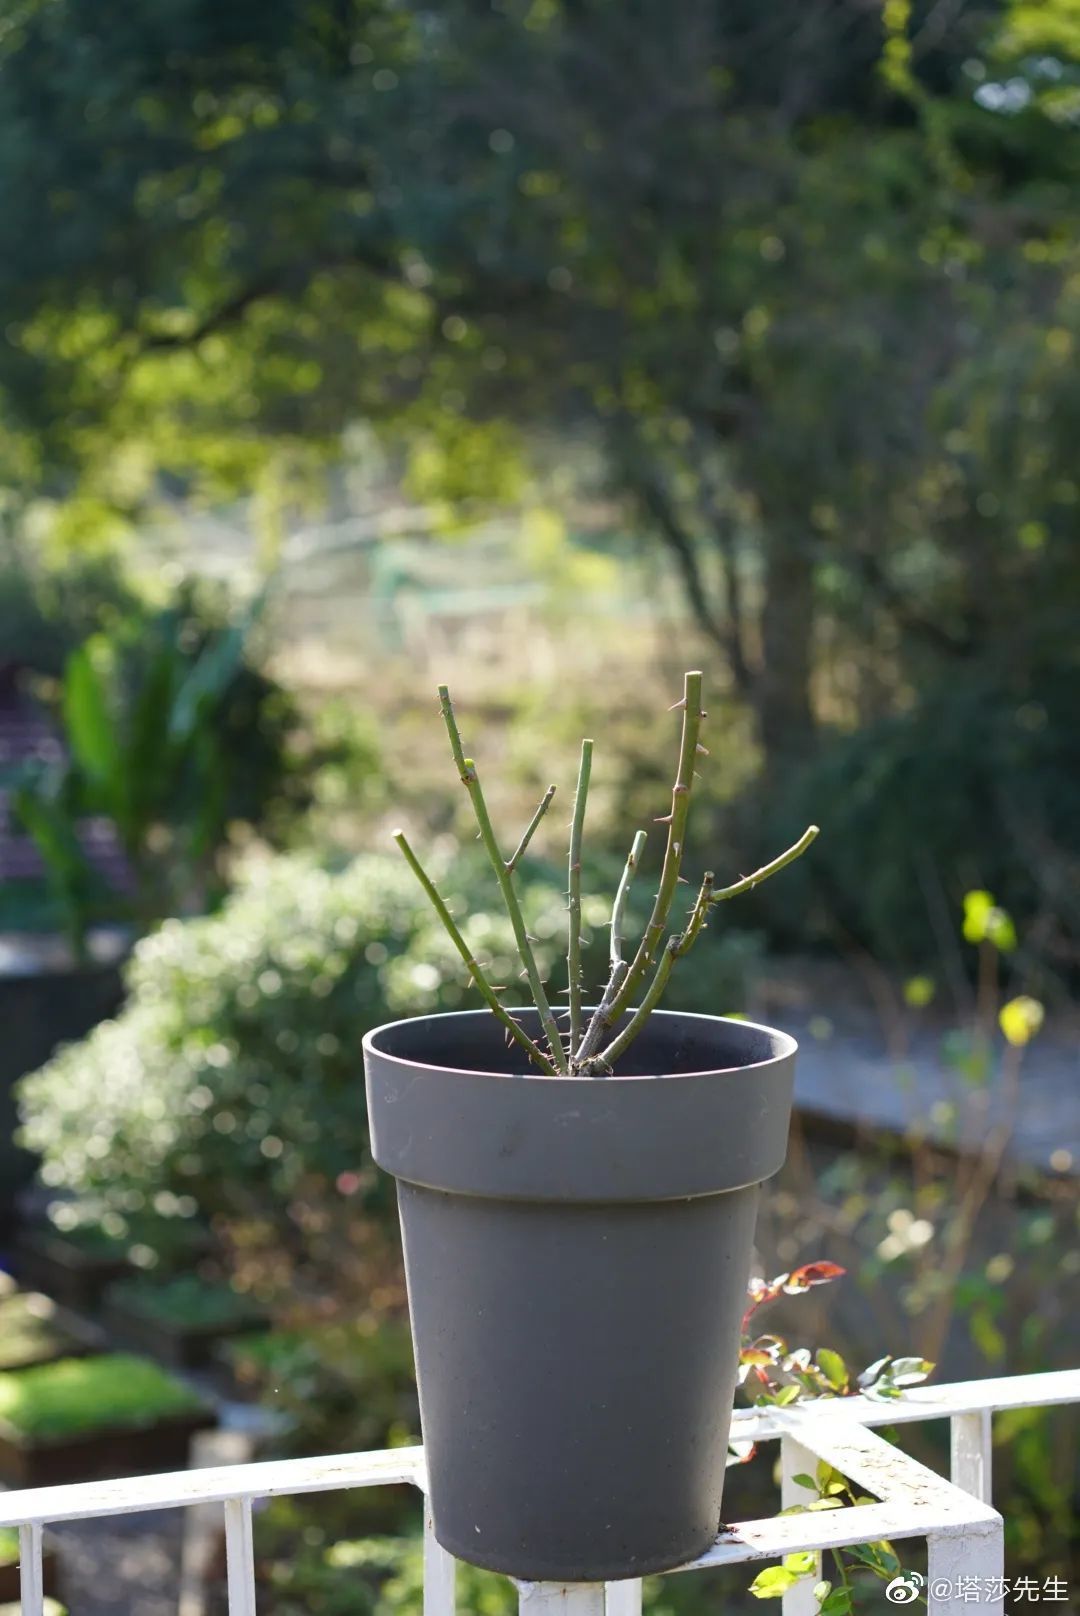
{"x":805,"y":274}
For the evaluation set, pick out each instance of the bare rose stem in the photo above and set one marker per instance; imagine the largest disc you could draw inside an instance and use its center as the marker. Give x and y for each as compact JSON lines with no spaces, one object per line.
{"x":573,"y":946}
{"x":471,"y":781}
{"x":682,"y":942}
{"x":580,"y":1057}
{"x":515,"y":858}
{"x":487,"y":992}
{"x":618,"y":908}
{"x":613,"y":1003}
{"x":585,"y":1057}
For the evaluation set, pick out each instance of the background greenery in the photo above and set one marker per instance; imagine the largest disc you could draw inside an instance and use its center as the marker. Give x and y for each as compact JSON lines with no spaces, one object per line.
{"x":545,"y":347}
{"x":796,"y":291}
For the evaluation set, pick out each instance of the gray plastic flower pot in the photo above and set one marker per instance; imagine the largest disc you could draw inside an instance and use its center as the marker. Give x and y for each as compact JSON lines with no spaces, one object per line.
{"x":577,"y":1252}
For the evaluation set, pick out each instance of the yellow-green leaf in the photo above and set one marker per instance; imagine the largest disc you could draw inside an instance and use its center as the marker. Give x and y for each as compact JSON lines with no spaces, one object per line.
{"x":1021,"y":1019}
{"x":772,"y":1583}
{"x":833,"y":1367}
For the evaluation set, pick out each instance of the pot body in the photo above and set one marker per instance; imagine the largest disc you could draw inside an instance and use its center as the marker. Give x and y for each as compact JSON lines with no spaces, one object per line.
{"x":577,"y":1252}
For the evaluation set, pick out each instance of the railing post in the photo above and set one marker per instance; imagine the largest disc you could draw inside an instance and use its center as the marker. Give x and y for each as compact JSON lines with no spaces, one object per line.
{"x":795,"y":1460}
{"x":440,"y":1570}
{"x":561,"y":1598}
{"x":31,"y":1577}
{"x":239,"y":1557}
{"x":972,"y":1459}
{"x":966,"y":1569}
{"x":623,"y":1598}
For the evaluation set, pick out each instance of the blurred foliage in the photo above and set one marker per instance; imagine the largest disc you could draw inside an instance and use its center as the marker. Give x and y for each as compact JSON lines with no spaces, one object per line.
{"x":976,"y":787}
{"x":186,"y":1302}
{"x":46,"y":611}
{"x":163,"y":1234}
{"x":954,"y":1241}
{"x":171,"y":732}
{"x":147,"y":729}
{"x":800,"y":286}
{"x":340,"y":1386}
{"x":232,"y":1077}
{"x":30,"y":1332}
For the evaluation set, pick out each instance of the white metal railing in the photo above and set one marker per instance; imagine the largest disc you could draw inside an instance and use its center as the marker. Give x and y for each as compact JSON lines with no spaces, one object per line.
{"x":964,"y":1534}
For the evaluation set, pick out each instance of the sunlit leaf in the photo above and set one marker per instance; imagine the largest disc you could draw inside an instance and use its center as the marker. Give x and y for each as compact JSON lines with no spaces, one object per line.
{"x":1021,"y":1019}
{"x":800,"y":1563}
{"x":836,"y":1370}
{"x":919,"y":991}
{"x":772,"y":1583}
{"x":909,"y":1371}
{"x":89,"y":722}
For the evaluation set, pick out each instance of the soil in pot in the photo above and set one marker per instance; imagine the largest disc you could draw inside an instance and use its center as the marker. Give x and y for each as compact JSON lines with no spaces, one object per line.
{"x":577,"y":1253}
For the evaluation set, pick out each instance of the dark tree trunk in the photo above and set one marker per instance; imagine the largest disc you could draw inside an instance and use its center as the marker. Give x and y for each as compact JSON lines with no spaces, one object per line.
{"x":787,"y":627}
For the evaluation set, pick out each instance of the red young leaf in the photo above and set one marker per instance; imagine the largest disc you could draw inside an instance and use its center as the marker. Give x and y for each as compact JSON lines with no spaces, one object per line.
{"x":812,"y":1273}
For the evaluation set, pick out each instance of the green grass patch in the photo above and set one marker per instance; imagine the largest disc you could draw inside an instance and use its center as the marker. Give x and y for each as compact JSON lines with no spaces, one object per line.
{"x":79,"y":1395}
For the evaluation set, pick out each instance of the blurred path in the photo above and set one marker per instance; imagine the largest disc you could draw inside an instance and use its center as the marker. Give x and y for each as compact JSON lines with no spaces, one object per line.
{"x":853,"y":1074}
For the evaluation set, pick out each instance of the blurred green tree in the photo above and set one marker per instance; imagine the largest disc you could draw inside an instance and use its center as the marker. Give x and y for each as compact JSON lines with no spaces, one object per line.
{"x":806,"y":275}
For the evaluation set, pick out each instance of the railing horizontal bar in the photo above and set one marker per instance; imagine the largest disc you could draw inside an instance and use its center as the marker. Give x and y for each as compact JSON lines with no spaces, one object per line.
{"x":888,"y":1473}
{"x":834,"y":1529}
{"x":917,"y":1403}
{"x":213,"y":1485}
{"x":915,"y":1502}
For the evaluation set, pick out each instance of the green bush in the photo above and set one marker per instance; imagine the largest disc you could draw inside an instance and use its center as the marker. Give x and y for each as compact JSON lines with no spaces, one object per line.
{"x":340,"y":1387}
{"x":232,"y":1080}
{"x":45,"y":612}
{"x":233,"y":1075}
{"x":977,"y":787}
{"x":184,"y":1303}
{"x":173,"y":731}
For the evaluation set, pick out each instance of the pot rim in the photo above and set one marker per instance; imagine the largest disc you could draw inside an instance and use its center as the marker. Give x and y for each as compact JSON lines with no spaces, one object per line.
{"x":787,"y":1047}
